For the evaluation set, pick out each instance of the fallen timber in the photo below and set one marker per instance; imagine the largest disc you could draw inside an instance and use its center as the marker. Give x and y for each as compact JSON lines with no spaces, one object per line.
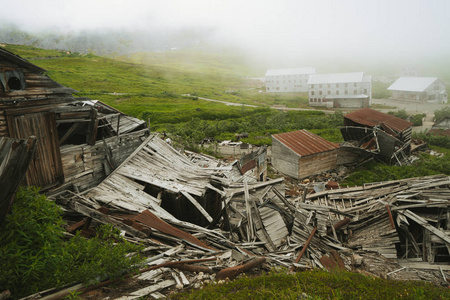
{"x":396,"y":229}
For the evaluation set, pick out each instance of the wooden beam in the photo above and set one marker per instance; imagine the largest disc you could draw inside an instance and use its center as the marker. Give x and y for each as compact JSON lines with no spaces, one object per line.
{"x":422,"y":222}
{"x":198,"y":206}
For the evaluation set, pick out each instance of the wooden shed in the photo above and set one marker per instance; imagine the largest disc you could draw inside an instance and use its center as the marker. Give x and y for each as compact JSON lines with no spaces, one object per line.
{"x":77,"y":138}
{"x":300,"y":154}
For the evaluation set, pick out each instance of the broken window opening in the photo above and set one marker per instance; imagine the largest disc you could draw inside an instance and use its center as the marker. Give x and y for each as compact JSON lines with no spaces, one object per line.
{"x":12,"y":80}
{"x":14,"y":84}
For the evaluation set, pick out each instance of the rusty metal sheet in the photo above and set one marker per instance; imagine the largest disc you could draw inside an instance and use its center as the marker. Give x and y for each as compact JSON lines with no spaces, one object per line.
{"x":370,"y":117}
{"x":151,"y":220}
{"x":248,"y":166}
{"x":304,"y":142}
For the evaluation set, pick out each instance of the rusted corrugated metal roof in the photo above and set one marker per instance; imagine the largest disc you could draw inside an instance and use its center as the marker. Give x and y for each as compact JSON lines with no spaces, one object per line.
{"x":371,"y":117}
{"x":304,"y":142}
{"x":150,"y":219}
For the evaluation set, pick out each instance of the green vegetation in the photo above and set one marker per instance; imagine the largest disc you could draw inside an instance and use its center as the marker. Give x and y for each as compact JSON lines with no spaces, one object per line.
{"x":317,"y":284}
{"x":402,"y":114}
{"x":441,"y":114}
{"x":34,"y":254}
{"x":259,"y":123}
{"x":426,"y":165}
{"x":159,"y":76}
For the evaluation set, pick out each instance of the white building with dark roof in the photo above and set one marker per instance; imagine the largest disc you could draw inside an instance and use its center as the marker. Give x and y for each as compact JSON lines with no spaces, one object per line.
{"x":419,"y":89}
{"x":352,"y":90}
{"x":288,"y":80}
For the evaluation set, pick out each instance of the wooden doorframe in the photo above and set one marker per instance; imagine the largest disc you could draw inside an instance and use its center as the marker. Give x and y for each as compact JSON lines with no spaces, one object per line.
{"x":50,"y":127}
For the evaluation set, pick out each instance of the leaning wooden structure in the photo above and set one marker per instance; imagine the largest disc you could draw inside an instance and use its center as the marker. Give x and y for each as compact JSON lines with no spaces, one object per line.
{"x":79,"y":140}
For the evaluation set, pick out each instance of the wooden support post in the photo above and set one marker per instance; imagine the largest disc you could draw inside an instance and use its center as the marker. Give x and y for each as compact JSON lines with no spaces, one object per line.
{"x":93,"y":126}
{"x":250,"y":232}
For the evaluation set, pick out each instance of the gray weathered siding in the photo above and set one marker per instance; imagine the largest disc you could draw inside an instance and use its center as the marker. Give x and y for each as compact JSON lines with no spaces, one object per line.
{"x":317,"y":163}
{"x":284,"y":159}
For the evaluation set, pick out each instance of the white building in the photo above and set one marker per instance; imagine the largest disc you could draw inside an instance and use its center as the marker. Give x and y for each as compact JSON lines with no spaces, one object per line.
{"x":352,"y":90}
{"x":419,"y":89}
{"x":288,"y":80}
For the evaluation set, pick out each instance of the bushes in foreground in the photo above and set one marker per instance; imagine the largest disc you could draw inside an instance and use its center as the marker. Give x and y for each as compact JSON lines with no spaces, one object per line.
{"x":316,"y":284}
{"x":34,"y":255}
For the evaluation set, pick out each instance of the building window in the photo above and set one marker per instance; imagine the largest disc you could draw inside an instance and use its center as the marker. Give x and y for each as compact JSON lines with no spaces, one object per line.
{"x":365,"y":91}
{"x":312,"y":93}
{"x":346,"y":92}
{"x":337,"y":92}
{"x":328,"y":92}
{"x":312,"y":86}
{"x":13,"y":80}
{"x":328,"y":85}
{"x":320,"y":86}
{"x":337,"y":85}
{"x":354,"y":84}
{"x":354,"y":92}
{"x":346,"y":84}
{"x":320,"y":92}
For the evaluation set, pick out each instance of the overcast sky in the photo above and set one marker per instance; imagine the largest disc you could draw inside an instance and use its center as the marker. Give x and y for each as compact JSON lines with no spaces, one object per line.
{"x":321,"y":28}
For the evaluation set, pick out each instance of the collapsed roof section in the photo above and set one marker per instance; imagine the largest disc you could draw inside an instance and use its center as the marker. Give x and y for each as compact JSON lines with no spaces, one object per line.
{"x":157,"y":174}
{"x":383,"y":136}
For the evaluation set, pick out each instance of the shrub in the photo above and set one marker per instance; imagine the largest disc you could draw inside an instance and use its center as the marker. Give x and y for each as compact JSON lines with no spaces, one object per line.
{"x":34,"y":256}
{"x":417,"y":119}
{"x":401,"y":113}
{"x":441,"y":113}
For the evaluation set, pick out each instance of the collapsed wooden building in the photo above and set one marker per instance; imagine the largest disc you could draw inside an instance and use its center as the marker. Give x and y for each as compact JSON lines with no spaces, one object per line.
{"x":396,"y":229}
{"x":78,"y":140}
{"x":379,"y":135}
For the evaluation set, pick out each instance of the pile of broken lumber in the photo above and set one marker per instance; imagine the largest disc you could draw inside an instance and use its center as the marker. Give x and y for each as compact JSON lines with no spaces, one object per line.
{"x":396,"y":229}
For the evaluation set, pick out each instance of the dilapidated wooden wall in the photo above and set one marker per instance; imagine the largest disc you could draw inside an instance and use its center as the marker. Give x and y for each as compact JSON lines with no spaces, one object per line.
{"x":317,"y":163}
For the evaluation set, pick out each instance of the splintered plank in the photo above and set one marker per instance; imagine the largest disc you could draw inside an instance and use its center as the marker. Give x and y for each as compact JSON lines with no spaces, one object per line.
{"x":148,"y":290}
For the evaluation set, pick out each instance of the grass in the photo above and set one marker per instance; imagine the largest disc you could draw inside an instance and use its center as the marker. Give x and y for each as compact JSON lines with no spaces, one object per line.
{"x":425,"y":166}
{"x":316,"y":284}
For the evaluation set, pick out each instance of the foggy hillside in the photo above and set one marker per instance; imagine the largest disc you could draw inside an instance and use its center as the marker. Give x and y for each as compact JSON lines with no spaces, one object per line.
{"x":379,"y":37}
{"x":105,"y":42}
